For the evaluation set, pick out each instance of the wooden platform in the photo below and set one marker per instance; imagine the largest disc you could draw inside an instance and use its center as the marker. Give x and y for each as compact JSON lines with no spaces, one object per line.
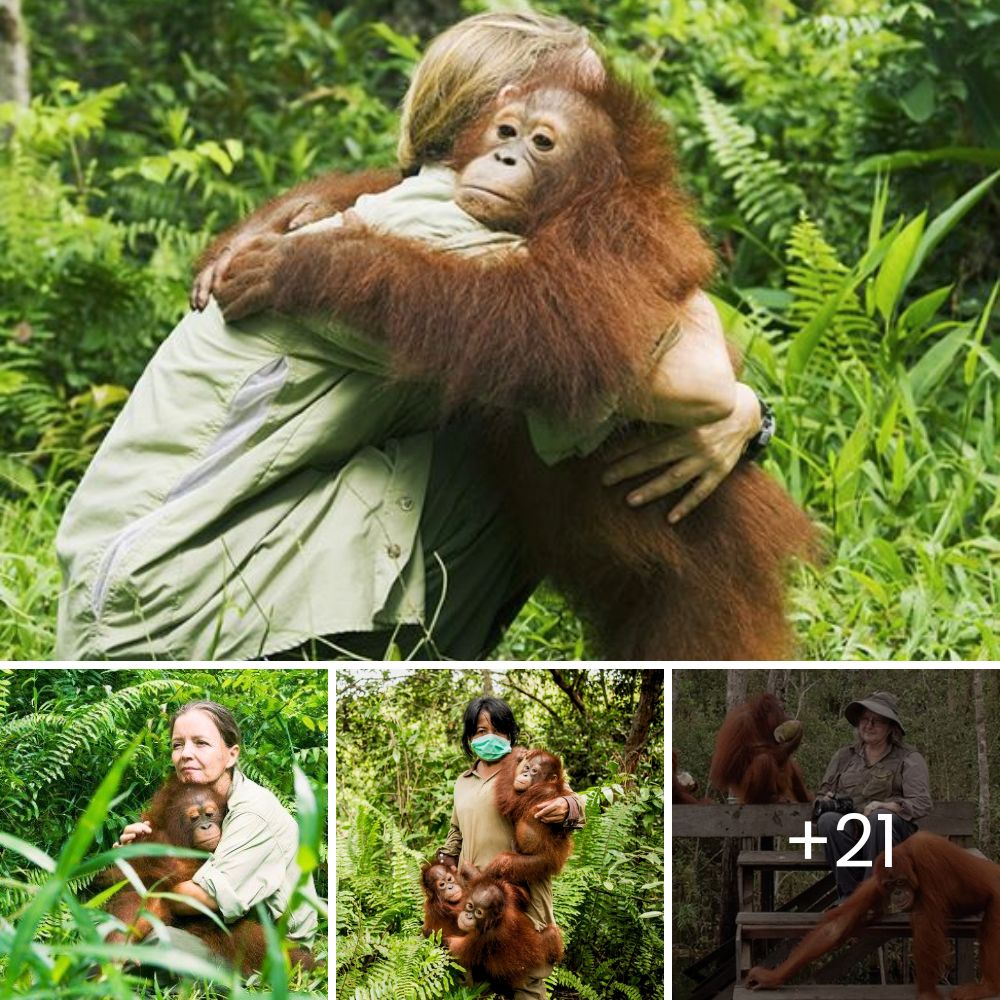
{"x":785,"y":925}
{"x":869,"y":992}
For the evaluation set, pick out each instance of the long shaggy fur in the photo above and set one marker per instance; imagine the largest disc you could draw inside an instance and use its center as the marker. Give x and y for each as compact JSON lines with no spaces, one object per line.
{"x":505,"y":945}
{"x":541,"y":848}
{"x":574,"y":319}
{"x":750,"y":762}
{"x":566,"y":326}
{"x":946,"y":882}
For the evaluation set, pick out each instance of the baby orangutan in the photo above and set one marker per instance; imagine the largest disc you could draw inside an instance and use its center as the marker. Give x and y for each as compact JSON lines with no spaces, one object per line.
{"x":565,"y":325}
{"x":499,"y":938}
{"x":444,"y":896}
{"x":519,"y":788}
{"x":184,"y":815}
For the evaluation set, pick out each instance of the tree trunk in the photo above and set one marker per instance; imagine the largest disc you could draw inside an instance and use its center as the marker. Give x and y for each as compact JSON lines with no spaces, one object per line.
{"x":15,"y":79}
{"x":650,"y":690}
{"x":729,"y":904}
{"x":982,"y":754}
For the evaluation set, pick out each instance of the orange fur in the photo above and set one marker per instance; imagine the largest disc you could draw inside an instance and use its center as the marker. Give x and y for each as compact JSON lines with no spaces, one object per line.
{"x":946,"y":881}
{"x":541,"y":848}
{"x":749,"y":762}
{"x":572,"y":322}
{"x":504,"y":944}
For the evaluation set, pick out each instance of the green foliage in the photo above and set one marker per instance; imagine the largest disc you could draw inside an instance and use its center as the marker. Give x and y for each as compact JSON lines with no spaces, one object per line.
{"x":50,"y":941}
{"x":608,"y":901}
{"x":161,"y":123}
{"x":77,"y":307}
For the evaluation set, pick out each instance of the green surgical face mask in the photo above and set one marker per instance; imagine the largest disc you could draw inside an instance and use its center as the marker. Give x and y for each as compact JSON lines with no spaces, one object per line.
{"x":490,"y":747}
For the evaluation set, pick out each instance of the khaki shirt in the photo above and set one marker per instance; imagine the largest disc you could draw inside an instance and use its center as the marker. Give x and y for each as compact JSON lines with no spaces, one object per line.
{"x":255,"y":860}
{"x":479,"y":833}
{"x":265,"y":482}
{"x":901,"y":776}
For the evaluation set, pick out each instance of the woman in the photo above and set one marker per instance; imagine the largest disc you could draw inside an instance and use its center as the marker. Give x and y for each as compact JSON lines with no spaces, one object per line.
{"x":267,"y":484}
{"x":254,"y":861}
{"x":879,"y":776}
{"x":479,"y":833}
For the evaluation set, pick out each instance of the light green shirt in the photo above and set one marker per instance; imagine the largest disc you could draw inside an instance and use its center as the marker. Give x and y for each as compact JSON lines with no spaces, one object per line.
{"x":265,"y":481}
{"x":255,"y":860}
{"x":479,"y":833}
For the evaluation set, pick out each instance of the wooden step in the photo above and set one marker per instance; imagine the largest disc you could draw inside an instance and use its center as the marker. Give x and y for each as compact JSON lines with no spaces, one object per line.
{"x":824,"y":992}
{"x":760,"y":926}
{"x":781,"y":861}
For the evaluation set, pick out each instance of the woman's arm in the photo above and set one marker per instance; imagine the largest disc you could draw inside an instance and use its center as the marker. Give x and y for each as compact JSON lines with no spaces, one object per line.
{"x":195,"y":892}
{"x":693,"y":382}
{"x":711,"y":417}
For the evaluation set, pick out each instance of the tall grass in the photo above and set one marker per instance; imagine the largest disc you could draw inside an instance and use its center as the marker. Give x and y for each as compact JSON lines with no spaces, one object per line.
{"x":50,"y":941}
{"x":887,"y":433}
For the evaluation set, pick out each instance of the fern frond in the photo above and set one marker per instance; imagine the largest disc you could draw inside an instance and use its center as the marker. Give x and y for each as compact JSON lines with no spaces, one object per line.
{"x":814,"y":273}
{"x":766,"y":198}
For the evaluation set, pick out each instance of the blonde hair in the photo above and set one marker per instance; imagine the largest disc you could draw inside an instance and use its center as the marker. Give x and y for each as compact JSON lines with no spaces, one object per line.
{"x":465,"y":67}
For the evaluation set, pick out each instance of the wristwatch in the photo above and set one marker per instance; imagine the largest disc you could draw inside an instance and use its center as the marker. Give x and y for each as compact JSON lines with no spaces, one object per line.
{"x":760,"y":440}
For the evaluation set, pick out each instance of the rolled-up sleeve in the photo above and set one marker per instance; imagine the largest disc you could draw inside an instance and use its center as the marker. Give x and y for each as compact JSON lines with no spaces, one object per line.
{"x":246,"y":868}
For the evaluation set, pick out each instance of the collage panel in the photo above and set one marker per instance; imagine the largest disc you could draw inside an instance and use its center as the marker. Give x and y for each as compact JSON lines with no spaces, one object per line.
{"x":163,"y":832}
{"x":832,"y":833}
{"x":500,"y":833}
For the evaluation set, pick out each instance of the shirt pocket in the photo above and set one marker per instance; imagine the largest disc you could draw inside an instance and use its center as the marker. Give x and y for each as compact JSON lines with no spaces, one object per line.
{"x":878,"y":787}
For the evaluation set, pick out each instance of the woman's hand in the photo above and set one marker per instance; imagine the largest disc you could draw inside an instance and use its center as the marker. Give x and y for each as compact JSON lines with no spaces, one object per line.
{"x":132,"y":832}
{"x":553,"y":811}
{"x":701,"y":456}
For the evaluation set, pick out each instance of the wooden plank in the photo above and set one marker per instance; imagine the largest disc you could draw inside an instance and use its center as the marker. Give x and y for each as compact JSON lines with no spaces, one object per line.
{"x":949,"y":819}
{"x":788,"y":860}
{"x":824,"y":992}
{"x":778,"y":925}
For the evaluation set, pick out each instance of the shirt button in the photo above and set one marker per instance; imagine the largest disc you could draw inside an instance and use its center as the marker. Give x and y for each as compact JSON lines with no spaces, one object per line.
{"x":406,"y":503}
{"x":393,"y":550}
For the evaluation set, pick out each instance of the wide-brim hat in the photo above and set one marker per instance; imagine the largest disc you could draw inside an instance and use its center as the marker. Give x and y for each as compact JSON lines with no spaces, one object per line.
{"x":881,"y":703}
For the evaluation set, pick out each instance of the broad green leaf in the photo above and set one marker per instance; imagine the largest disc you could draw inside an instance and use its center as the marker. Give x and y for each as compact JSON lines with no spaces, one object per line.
{"x":888,"y":426}
{"x":401,"y":45}
{"x":153,"y":168}
{"x":876,"y":218}
{"x":876,"y":589}
{"x":900,"y":464}
{"x":28,"y":851}
{"x":214,"y":152}
{"x":936,"y":362}
{"x":918,"y":314}
{"x":969,"y":370}
{"x":920,"y":157}
{"x":888,"y":558}
{"x":947,"y":220}
{"x":892,"y":276}
{"x":849,"y":460}
{"x":919,"y":101}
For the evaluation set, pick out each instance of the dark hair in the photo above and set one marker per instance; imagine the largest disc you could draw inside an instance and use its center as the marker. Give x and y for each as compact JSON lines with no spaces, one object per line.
{"x":500,"y":715}
{"x":221,"y":716}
